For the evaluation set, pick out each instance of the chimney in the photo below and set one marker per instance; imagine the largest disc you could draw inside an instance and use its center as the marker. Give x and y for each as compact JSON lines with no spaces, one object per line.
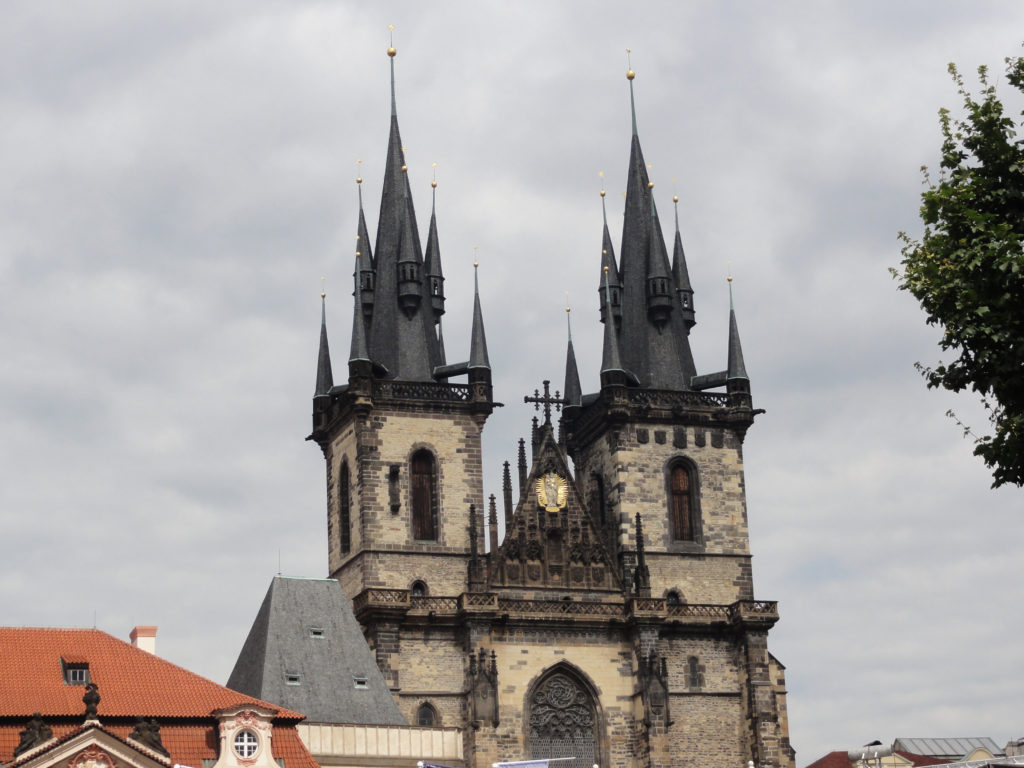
{"x":144,"y":638}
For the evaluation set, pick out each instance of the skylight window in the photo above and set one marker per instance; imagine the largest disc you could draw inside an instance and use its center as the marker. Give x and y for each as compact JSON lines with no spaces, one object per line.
{"x":359,"y":683}
{"x":292,"y":678}
{"x":317,"y":633}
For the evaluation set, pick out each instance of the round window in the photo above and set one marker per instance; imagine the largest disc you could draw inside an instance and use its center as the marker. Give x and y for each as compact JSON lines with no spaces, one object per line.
{"x":246,"y":743}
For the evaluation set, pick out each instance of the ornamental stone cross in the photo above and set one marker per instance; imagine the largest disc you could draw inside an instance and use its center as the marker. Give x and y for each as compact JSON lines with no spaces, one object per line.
{"x":546,"y":400}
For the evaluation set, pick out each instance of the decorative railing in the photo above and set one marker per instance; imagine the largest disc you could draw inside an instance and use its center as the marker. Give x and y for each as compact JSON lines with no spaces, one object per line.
{"x":421,"y":390}
{"x":698,"y":611}
{"x":478,"y":600}
{"x":742,"y":610}
{"x":662,"y":398}
{"x":563,"y":607}
{"x":765,"y":609}
{"x":434,"y":604}
{"x":381,"y":598}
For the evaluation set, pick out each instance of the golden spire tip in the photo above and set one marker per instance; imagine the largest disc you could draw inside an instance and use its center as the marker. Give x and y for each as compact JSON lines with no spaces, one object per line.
{"x":391,"y":41}
{"x":323,"y":289}
{"x":630,"y":74}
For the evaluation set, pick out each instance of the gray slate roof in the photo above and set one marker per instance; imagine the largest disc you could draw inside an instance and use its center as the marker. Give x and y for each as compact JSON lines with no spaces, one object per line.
{"x":306,"y":628}
{"x":954,"y":747}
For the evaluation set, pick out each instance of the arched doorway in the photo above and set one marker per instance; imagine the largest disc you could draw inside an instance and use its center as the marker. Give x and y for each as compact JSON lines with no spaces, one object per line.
{"x":563,"y":720}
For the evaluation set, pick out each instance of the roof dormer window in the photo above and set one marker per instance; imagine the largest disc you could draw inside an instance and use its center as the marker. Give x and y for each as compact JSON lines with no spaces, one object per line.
{"x":75,"y":672}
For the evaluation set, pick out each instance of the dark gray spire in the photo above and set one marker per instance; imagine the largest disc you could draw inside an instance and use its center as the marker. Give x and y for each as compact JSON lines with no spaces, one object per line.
{"x":681,"y":275}
{"x":611,"y":362}
{"x":401,"y":334}
{"x":609,"y":268}
{"x":659,"y":291}
{"x":324,"y":374}
{"x":358,"y":349}
{"x":654,"y":347}
{"x":736,"y":370}
{"x":573,"y":392}
{"x":478,"y":341}
{"x":434,"y":283}
{"x":506,"y":492}
{"x":364,"y":261}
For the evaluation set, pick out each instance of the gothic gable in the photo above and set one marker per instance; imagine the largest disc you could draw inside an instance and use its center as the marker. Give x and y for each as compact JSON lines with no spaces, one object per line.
{"x":552,"y":542}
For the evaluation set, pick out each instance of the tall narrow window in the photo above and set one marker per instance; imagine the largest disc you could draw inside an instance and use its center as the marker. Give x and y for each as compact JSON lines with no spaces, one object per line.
{"x":693,"y":672}
{"x":344,"y":509}
{"x":424,"y":496}
{"x":681,"y":502}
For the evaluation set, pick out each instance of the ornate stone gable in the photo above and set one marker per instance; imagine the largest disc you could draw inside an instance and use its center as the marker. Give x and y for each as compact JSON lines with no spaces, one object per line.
{"x":552,"y":541}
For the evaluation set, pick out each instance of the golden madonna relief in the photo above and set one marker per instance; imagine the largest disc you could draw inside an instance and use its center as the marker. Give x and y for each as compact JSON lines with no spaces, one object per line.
{"x":552,"y":491}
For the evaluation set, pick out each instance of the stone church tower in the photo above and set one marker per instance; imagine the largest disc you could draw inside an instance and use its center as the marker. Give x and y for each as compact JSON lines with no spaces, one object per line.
{"x":615,"y":621}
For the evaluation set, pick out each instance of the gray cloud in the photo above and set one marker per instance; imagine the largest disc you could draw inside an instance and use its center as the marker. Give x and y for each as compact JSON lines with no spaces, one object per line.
{"x":176,"y":179}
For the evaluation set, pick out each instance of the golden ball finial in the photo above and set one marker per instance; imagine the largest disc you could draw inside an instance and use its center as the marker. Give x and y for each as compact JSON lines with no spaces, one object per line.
{"x":650,"y":185}
{"x":433,"y":184}
{"x":729,"y":279}
{"x":392,"y":51}
{"x":405,"y":168}
{"x":359,"y":179}
{"x":675,"y":198}
{"x":358,"y":254}
{"x":630,"y":74}
{"x":606,"y":270}
{"x":602,"y":193}
{"x":476,"y":264}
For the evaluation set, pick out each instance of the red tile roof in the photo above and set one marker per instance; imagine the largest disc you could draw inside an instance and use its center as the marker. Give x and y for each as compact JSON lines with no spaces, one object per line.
{"x":837,"y":759}
{"x":131,"y":681}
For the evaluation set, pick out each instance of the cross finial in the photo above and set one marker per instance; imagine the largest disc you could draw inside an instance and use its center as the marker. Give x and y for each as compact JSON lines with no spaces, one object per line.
{"x":546,"y":400}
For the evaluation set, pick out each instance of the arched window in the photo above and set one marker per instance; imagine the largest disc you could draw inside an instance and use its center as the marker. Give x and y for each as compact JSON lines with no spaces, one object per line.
{"x":424,"y":496}
{"x":682,"y":501}
{"x":419,"y":588}
{"x":672,"y":598}
{"x":563,"y":721}
{"x":426,"y":716}
{"x":344,"y":509}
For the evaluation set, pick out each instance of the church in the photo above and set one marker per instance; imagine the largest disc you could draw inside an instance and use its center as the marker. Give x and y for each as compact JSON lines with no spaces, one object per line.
{"x":614,"y":620}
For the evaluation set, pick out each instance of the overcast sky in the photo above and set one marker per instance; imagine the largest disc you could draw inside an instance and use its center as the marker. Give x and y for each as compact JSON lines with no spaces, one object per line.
{"x":176,"y":177}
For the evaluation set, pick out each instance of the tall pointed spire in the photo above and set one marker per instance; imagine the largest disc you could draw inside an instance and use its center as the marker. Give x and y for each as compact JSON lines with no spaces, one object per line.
{"x":434,"y":284}
{"x":611,"y":363}
{"x":478,"y":341}
{"x":358,"y":350}
{"x":324,"y":374}
{"x":364,"y":258}
{"x":401,"y":335}
{"x":653,"y":339}
{"x":573,"y":392}
{"x":736,"y":369}
{"x":681,"y":274}
{"x":659,"y":293}
{"x":609,"y":268}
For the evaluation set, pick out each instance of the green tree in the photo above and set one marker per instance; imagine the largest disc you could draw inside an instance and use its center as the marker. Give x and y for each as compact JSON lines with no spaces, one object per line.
{"x":967,"y":270}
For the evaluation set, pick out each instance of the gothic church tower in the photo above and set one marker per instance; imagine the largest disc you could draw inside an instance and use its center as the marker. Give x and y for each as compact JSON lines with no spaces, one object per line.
{"x":615,"y":621}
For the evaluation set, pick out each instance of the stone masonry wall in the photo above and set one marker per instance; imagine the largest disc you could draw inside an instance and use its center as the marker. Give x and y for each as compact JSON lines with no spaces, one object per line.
{"x":634,"y":463}
{"x":386,"y":439}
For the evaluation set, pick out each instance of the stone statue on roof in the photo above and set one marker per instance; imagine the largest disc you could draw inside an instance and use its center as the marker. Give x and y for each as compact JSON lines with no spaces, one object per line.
{"x":147,"y":733}
{"x":36,"y":732}
{"x":91,"y":699}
